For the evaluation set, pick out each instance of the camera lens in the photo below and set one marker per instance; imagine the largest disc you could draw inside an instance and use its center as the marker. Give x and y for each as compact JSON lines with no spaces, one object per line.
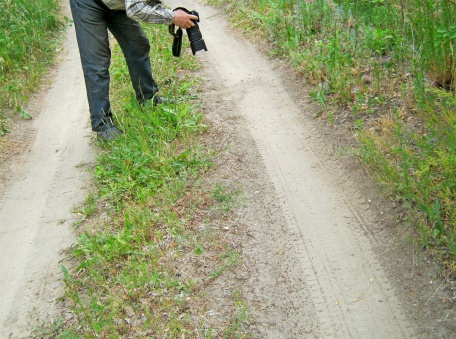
{"x":196,"y":39}
{"x":194,"y":33}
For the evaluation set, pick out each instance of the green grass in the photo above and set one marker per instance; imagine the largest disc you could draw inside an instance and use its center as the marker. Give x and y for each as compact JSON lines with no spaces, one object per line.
{"x":146,"y":249}
{"x":28,"y":31}
{"x":226,"y":198}
{"x":241,"y":316}
{"x":417,"y":163}
{"x":388,"y":70}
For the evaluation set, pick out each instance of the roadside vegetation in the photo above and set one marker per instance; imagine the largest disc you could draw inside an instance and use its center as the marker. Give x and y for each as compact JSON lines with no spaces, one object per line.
{"x":388,"y":69}
{"x":151,"y":242}
{"x":28,"y":32}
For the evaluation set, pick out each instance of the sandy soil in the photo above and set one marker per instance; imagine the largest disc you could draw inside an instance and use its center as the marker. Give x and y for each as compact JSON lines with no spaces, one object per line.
{"x":323,"y":254}
{"x":42,"y":180}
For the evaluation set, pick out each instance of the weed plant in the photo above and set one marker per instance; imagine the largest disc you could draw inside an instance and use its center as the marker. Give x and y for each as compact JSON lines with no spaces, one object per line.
{"x":418,"y":164}
{"x":28,"y":31}
{"x":146,"y":249}
{"x":391,"y":64}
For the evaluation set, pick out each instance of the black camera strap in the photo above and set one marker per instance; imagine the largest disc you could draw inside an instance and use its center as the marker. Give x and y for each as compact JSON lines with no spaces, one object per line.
{"x":177,"y":42}
{"x":183,"y":9}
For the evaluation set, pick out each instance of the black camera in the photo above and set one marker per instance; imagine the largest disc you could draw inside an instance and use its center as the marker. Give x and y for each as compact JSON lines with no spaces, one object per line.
{"x":194,"y":35}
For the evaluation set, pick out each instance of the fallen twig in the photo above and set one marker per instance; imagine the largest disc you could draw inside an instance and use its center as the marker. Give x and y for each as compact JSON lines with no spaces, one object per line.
{"x":432,"y":296}
{"x":400,"y":282}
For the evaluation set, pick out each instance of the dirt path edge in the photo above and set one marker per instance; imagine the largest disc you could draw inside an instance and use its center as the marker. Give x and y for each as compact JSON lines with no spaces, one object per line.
{"x":42,"y":186}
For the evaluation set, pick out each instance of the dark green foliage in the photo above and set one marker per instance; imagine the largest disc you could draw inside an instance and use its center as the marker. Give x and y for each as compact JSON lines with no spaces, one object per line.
{"x":28,"y":30}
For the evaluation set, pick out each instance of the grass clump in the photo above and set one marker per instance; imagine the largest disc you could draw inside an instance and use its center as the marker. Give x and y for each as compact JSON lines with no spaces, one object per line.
{"x":28,"y":32}
{"x":147,"y":249}
{"x":416,"y":160}
{"x":385,"y":69}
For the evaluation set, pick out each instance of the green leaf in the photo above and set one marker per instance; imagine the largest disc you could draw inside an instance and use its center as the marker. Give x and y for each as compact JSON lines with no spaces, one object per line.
{"x":442,"y":30}
{"x":26,"y":115}
{"x":65,"y":272}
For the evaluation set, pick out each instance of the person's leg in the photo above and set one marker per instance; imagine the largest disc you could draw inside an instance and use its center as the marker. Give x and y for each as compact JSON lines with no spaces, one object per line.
{"x":135,"y":47}
{"x":91,"y":31}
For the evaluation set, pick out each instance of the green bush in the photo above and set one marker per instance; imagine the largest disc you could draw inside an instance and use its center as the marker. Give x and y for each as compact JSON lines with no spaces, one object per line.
{"x":28,"y":31}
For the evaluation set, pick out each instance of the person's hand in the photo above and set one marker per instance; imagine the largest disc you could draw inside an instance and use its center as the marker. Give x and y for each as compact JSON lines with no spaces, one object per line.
{"x":183,"y":19}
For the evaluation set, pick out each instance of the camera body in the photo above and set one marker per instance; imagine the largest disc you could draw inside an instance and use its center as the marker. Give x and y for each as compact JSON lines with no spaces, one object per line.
{"x":194,"y":36}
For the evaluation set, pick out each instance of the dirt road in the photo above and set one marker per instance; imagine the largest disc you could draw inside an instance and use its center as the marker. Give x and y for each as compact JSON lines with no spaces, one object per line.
{"x":348,"y":288}
{"x":44,"y":184}
{"x":326,"y":260}
{"x":313,"y":233}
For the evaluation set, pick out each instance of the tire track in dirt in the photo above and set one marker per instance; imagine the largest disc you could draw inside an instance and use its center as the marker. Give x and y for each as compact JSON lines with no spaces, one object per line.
{"x":348,"y":286}
{"x":351,"y":294}
{"x":35,"y":208}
